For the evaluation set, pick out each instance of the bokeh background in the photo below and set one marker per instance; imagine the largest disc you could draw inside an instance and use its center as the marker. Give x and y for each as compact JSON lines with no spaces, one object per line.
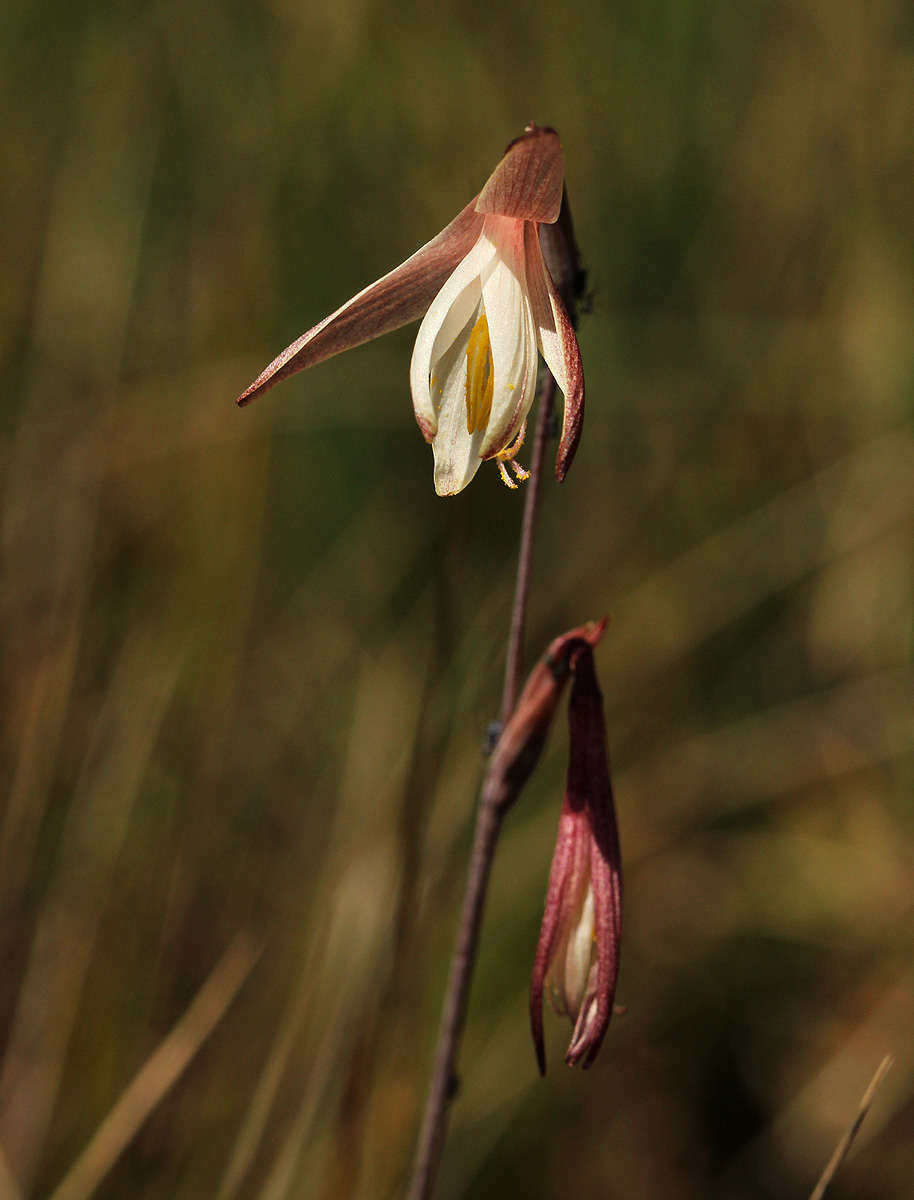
{"x":249,"y":658}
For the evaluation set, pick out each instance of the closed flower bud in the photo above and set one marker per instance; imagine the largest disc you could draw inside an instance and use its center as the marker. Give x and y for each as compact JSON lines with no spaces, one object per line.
{"x":577,"y":957}
{"x":521,"y":742}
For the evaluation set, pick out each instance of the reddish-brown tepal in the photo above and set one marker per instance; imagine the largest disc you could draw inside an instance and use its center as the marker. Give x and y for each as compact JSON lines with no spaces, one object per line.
{"x":521,"y":742}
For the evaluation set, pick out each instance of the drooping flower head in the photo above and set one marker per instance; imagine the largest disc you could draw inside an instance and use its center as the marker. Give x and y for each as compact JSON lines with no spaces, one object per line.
{"x":577,"y":958}
{"x":490,"y":308}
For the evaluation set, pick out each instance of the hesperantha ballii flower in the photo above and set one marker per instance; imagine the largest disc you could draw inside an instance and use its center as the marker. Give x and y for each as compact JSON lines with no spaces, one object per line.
{"x":490,"y":308}
{"x":577,"y":957}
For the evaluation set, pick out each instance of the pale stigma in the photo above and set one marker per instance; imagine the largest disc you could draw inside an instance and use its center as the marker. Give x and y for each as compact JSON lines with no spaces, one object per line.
{"x":480,"y":376}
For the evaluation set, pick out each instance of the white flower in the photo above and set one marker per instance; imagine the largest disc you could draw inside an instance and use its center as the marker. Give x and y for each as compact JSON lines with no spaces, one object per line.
{"x":490,"y":306}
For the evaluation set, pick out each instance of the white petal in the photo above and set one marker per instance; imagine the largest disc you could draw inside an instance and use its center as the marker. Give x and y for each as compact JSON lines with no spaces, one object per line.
{"x":512,"y":334}
{"x":442,"y":323}
{"x":456,"y":452}
{"x":578,"y":956}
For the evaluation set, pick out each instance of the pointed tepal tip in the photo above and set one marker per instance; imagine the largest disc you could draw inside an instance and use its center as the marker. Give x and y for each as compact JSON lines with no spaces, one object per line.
{"x":527,"y":183}
{"x":536,"y":1020}
{"x":267,"y":378}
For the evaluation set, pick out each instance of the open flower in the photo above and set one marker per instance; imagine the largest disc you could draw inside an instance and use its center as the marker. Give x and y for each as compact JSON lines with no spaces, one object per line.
{"x":490,"y":306}
{"x":577,"y":958}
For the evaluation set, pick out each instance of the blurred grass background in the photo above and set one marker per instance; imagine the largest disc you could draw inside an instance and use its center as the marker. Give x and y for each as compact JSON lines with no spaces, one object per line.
{"x":248,"y":659}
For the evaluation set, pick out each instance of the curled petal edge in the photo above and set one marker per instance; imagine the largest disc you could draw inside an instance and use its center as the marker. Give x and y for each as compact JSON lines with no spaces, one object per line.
{"x":550,"y":932}
{"x":397,"y":298}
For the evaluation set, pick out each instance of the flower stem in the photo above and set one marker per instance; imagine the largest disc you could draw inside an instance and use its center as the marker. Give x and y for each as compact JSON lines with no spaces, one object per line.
{"x":514,"y":663}
{"x":488,"y":825}
{"x":444,"y":1083}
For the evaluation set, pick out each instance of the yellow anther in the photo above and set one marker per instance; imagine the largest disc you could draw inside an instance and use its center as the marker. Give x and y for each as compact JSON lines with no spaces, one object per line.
{"x":480,"y":376}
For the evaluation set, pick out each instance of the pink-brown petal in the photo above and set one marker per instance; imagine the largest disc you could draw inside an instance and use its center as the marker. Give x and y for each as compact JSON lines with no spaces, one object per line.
{"x":397,"y":298}
{"x":527,"y":183}
{"x":573,"y":420}
{"x":559,"y":347}
{"x":589,"y":789}
{"x":558,"y":896}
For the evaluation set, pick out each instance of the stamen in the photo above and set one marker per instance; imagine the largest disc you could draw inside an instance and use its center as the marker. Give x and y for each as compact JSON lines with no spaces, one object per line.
{"x":480,"y":376}
{"x":511,"y":451}
{"x":507,"y":456}
{"x":505,"y":477}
